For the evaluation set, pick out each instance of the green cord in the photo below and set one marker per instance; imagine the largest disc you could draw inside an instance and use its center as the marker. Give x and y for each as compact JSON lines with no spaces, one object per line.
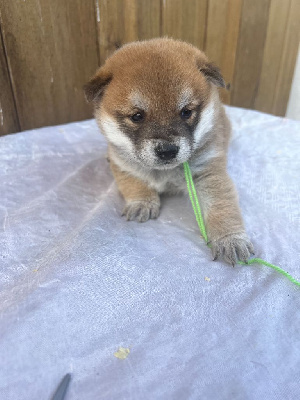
{"x":198,"y":214}
{"x":194,"y":199}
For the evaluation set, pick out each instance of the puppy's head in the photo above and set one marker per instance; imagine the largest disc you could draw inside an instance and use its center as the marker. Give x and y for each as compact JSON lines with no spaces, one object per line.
{"x":154,"y":101}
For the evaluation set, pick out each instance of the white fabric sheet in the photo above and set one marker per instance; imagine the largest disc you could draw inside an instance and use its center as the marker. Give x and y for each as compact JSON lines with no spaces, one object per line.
{"x":77,"y":281}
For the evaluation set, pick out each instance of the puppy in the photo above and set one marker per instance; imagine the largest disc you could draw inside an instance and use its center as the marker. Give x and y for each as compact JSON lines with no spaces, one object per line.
{"x":157,"y":103}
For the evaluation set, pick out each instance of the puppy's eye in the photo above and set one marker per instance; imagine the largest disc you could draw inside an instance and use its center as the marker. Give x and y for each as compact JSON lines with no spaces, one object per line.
{"x":138,"y":117}
{"x":185,"y":113}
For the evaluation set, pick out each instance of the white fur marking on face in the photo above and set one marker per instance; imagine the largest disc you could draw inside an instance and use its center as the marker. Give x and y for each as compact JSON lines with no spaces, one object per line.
{"x":114,"y":134}
{"x":206,"y":122}
{"x":139,"y":101}
{"x":203,"y":158}
{"x":147,"y":154}
{"x":184,"y":98}
{"x":184,"y":150}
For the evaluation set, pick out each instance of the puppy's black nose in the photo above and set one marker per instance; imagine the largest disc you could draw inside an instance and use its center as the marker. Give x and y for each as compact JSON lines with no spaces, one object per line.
{"x":166,"y":151}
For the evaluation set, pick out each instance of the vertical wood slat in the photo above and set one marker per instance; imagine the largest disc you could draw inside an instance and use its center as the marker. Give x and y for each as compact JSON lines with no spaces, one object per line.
{"x":223,"y":21}
{"x":250,"y":50}
{"x":185,"y":20}
{"x":288,"y":60}
{"x":122,"y":21}
{"x":52,"y":51}
{"x":9,"y":122}
{"x":278,"y":19}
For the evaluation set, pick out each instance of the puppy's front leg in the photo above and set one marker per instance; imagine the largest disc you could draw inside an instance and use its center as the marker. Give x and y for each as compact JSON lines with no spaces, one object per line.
{"x":142,"y":203}
{"x":222,"y":216}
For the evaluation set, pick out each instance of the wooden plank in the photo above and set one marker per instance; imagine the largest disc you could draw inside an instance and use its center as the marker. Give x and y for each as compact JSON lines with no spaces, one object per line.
{"x":8,"y":114}
{"x":223,"y":21}
{"x":249,"y":58}
{"x":185,"y":20}
{"x":123,"y":21}
{"x":51,"y":52}
{"x":288,"y":60}
{"x":272,"y":57}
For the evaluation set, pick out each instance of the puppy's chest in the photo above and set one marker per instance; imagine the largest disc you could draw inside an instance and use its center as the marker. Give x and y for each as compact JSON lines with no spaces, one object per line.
{"x":167,"y":181}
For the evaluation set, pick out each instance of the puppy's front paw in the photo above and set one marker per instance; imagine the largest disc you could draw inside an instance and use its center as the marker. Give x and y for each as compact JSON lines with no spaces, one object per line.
{"x":232,"y":248}
{"x":141,"y":210}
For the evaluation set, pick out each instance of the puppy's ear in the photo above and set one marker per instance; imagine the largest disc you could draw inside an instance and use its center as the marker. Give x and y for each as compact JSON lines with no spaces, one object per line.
{"x":94,"y":89}
{"x":213,"y":74}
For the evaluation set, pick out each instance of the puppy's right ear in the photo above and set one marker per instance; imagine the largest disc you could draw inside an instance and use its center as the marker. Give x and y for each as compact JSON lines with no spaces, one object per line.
{"x":94,"y":89}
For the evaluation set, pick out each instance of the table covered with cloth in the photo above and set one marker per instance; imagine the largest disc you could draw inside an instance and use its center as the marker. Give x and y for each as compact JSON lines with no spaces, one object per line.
{"x":81,"y":288}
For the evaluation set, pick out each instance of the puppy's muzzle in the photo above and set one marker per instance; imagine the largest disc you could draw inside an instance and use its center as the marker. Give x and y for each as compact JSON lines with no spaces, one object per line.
{"x":166,"y":151}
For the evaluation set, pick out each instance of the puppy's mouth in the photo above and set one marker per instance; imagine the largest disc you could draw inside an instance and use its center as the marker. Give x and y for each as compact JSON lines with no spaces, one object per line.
{"x":166,"y":165}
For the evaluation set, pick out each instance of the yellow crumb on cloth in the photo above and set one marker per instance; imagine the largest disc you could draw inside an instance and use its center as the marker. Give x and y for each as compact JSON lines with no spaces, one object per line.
{"x":122,"y":353}
{"x":207,"y":279}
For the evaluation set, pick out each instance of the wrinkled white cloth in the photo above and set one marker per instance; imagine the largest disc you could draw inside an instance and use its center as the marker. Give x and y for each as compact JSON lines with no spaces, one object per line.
{"x":77,"y":281}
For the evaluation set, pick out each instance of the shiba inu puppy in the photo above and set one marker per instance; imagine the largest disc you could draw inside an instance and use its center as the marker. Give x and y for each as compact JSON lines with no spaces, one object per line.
{"x":158,"y":105}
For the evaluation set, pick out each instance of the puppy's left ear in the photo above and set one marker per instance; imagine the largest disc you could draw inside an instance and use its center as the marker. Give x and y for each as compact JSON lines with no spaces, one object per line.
{"x":213,"y":74}
{"x":94,"y":89}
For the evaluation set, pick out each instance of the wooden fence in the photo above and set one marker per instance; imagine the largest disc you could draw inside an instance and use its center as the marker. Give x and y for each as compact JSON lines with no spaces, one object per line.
{"x":49,"y":49}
